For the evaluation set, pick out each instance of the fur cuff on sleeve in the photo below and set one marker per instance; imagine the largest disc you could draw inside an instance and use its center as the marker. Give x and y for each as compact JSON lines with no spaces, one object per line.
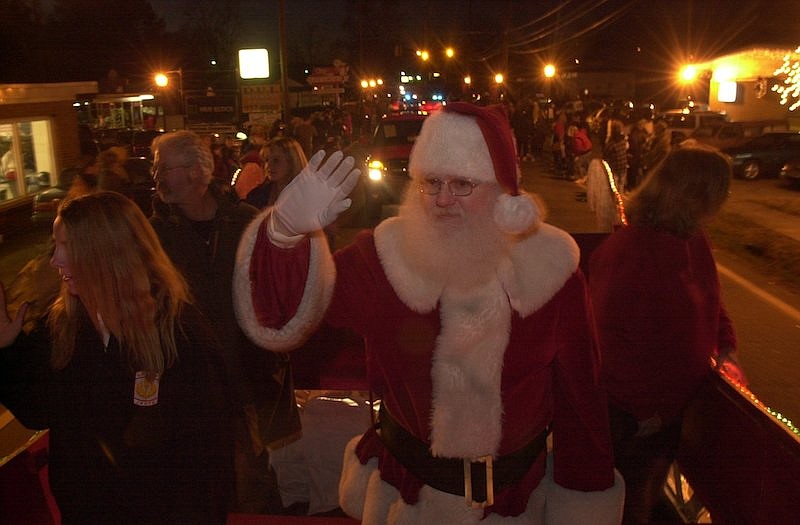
{"x":316,"y":294}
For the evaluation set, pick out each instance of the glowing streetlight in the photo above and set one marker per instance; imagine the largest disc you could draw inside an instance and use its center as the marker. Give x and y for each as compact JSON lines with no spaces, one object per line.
{"x":549,"y":71}
{"x":498,"y":78}
{"x":468,"y":80}
{"x":161,"y":79}
{"x":688,"y":73}
{"x":449,"y":52}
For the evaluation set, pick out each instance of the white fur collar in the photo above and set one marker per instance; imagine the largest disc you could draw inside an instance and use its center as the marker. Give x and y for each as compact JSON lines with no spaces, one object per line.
{"x":466,"y":372}
{"x":538,"y":266}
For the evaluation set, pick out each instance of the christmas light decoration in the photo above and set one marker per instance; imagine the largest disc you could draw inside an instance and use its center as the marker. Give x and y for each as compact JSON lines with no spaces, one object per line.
{"x":789,"y":87}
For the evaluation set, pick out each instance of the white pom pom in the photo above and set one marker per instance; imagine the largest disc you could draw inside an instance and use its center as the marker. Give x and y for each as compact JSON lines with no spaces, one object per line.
{"x":516,"y":214}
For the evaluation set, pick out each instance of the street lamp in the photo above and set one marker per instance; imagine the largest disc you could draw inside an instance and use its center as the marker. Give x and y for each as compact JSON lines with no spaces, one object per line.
{"x":549,"y":73}
{"x":161,"y":80}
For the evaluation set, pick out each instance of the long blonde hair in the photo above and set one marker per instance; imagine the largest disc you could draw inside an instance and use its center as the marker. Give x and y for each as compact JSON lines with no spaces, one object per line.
{"x":295,"y":157}
{"x":125,"y":277}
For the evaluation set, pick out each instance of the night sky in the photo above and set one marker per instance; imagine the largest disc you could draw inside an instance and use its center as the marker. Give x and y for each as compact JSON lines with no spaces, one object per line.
{"x":698,"y":26}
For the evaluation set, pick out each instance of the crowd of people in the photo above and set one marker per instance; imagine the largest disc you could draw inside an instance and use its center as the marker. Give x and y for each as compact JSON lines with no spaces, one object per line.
{"x":512,"y":385}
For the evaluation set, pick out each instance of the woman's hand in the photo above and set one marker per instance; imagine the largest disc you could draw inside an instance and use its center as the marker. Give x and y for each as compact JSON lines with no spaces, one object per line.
{"x":727,"y":362}
{"x":10,"y":329}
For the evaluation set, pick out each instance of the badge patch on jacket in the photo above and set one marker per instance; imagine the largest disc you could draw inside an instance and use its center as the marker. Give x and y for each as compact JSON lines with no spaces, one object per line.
{"x":145,"y":391}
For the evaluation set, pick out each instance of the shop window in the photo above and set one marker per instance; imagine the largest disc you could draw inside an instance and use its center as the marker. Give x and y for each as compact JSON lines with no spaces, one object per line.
{"x":27,"y":163}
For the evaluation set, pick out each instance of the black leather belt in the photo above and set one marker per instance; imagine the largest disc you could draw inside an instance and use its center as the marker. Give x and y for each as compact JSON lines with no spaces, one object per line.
{"x":474,"y":478}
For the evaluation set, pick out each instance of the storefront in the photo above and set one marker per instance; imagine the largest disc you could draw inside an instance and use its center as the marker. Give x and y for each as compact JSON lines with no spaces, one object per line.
{"x":39,"y":137}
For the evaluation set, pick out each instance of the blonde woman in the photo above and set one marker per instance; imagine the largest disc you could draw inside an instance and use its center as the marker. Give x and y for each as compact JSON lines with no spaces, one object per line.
{"x":285,"y":159}
{"x":121,"y":373}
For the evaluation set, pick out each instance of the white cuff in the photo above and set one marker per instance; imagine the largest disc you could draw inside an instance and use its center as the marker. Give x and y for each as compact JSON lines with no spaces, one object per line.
{"x":279,"y":239}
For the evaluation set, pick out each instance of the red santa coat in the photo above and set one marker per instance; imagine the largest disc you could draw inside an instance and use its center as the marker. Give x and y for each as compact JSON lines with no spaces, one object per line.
{"x":477,"y":373}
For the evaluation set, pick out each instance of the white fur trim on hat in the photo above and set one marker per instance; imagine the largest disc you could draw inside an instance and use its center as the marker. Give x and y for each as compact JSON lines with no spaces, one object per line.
{"x":451,"y":144}
{"x":516,"y":213}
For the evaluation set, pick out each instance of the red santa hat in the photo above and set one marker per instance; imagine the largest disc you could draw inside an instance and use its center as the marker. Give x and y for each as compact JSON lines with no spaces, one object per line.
{"x":477,"y":143}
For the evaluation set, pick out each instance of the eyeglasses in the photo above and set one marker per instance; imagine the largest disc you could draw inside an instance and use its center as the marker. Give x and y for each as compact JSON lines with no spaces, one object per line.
{"x":456,"y":187}
{"x":155,"y":170}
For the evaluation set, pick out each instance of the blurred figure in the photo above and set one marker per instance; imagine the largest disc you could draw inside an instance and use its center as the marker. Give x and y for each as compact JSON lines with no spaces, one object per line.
{"x":579,"y":149}
{"x":225,"y":165}
{"x":523,"y":125}
{"x":285,"y":159}
{"x":305,"y":133}
{"x":277,"y":129}
{"x":615,"y":153}
{"x":656,"y":148}
{"x":637,"y":143}
{"x":199,"y":224}
{"x":559,"y":132}
{"x":124,"y":373}
{"x":111,"y":174}
{"x":660,"y":317}
{"x":251,"y":161}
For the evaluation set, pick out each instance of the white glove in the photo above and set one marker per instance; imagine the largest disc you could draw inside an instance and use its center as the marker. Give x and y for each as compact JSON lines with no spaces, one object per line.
{"x":314,"y":198}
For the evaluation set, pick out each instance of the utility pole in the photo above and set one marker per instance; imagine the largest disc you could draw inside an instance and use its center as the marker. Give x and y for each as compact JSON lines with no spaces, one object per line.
{"x":283,"y":58}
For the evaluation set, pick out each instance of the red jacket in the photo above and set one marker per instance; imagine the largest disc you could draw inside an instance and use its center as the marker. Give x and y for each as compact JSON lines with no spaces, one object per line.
{"x":659,"y":317}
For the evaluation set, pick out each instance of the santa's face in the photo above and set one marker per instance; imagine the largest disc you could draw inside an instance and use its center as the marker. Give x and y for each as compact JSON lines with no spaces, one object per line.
{"x":453,"y":211}
{"x":452,"y":239}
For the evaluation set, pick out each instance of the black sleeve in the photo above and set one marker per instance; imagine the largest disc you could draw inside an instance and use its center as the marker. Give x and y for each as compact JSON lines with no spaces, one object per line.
{"x":25,"y":377}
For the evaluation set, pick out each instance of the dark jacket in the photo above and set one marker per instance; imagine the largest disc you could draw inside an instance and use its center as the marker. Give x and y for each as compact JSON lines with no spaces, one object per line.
{"x":206,"y":256}
{"x":112,"y":460}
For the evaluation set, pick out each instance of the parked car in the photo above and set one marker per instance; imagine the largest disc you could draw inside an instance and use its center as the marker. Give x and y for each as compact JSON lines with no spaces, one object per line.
{"x":791,"y":172}
{"x":682,"y":122}
{"x":764,"y":156}
{"x":386,"y":167}
{"x":45,"y":203}
{"x":731,"y":134}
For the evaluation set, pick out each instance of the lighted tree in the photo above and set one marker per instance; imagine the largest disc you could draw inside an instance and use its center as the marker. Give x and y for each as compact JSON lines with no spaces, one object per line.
{"x":789,"y":89}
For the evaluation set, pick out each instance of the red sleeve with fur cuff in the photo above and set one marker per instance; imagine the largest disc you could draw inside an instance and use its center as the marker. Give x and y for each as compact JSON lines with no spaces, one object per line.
{"x":280,"y":274}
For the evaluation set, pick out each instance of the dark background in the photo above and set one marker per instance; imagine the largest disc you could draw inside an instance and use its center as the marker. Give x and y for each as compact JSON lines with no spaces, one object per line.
{"x":121,"y":43}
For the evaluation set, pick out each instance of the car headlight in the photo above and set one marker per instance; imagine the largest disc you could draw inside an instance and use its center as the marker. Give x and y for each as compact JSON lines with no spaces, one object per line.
{"x":375,"y":170}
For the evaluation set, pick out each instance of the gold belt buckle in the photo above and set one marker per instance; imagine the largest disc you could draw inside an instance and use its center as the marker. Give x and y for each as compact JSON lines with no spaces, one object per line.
{"x":486,"y":460}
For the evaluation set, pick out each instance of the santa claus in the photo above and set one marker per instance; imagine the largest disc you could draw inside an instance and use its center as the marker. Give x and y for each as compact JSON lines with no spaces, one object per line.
{"x":478,"y":333}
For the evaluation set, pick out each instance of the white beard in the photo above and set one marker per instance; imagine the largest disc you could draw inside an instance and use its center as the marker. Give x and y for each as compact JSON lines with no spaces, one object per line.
{"x":458,"y":256}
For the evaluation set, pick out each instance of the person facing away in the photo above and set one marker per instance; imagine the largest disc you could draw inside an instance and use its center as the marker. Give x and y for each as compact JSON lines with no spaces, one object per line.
{"x":285,"y":159}
{"x":251,"y":162}
{"x":123,"y":371}
{"x":559,"y":131}
{"x":615,"y":153}
{"x":476,"y":324}
{"x":660,"y":315}
{"x":637,"y":142}
{"x":656,"y":148}
{"x":199,"y":223}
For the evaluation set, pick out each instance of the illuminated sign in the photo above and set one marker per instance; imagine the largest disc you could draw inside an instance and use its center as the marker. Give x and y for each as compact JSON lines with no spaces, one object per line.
{"x":727,"y":91}
{"x":253,"y":63}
